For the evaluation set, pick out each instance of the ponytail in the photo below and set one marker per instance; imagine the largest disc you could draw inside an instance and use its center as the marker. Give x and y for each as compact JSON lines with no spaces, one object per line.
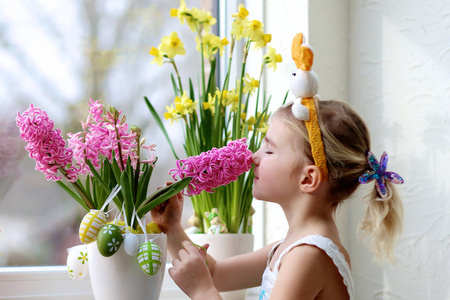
{"x":381,"y":224}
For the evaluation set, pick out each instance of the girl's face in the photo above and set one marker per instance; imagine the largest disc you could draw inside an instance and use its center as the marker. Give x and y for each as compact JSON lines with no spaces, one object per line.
{"x":275,"y":179}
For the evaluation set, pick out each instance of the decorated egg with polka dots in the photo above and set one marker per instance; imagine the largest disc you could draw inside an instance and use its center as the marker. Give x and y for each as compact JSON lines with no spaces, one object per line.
{"x":149,"y":258}
{"x":131,"y":244}
{"x":77,"y":262}
{"x":90,"y":225}
{"x":109,"y":239}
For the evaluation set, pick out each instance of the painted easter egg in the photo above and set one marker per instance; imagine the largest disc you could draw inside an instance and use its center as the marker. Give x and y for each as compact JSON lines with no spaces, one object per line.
{"x":77,"y":262}
{"x":149,"y":258}
{"x":131,"y":244}
{"x":109,"y":239}
{"x":90,"y":225}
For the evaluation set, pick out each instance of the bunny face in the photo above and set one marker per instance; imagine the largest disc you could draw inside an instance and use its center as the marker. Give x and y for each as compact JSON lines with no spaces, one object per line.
{"x":304,"y":84}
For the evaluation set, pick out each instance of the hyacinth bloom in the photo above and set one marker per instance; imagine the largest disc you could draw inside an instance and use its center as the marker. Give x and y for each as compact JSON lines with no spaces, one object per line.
{"x":215,"y":167}
{"x":45,"y":144}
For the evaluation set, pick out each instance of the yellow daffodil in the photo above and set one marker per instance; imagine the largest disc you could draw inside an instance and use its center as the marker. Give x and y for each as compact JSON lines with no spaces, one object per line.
{"x":237,"y":28}
{"x":263,"y":128}
{"x":242,"y":12}
{"x":172,"y":45}
{"x":171,"y":114}
{"x":251,"y":120}
{"x":262,"y":40}
{"x":206,"y":20}
{"x":250,"y":84}
{"x":219,"y":45}
{"x":181,"y":12}
{"x":158,"y":56}
{"x":231,"y":99}
{"x":272,"y":58}
{"x":210,"y":104}
{"x":211,"y":44}
{"x":184,"y":105}
{"x":253,"y":30}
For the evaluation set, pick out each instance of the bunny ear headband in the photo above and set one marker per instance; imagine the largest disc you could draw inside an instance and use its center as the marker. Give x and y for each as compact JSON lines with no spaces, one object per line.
{"x":304,"y":85}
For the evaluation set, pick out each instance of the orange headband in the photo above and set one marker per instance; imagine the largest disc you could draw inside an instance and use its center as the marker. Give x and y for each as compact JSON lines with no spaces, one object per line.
{"x":304,"y":86}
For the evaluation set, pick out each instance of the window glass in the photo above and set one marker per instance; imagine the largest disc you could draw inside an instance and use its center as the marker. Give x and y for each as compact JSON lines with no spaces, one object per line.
{"x":57,"y":55}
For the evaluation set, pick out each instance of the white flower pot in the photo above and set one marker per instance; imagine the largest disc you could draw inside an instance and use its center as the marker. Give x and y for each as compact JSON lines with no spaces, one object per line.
{"x":224,"y":246}
{"x":119,"y":277}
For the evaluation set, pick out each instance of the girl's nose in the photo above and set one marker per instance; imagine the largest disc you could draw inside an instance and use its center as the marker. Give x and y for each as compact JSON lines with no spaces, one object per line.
{"x":255,"y":158}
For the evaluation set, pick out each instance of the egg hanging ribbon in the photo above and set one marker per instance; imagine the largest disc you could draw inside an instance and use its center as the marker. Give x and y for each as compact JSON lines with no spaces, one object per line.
{"x":95,"y":219}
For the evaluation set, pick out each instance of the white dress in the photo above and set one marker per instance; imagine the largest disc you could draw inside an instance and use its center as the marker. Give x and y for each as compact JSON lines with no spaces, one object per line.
{"x":327,"y":245}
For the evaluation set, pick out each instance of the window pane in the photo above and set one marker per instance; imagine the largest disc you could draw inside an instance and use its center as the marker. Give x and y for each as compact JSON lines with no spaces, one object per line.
{"x":57,"y":55}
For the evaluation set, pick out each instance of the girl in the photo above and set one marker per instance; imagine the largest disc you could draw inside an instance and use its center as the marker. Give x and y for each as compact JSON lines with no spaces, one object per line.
{"x":308,"y":166}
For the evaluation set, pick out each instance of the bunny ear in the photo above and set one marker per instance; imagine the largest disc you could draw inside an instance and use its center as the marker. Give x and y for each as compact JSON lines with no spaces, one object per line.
{"x":307,"y":57}
{"x":301,"y":54}
{"x":296,"y":49}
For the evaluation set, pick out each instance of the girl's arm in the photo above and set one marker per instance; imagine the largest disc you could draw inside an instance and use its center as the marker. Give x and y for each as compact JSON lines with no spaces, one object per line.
{"x":234,"y":273}
{"x":198,"y":274}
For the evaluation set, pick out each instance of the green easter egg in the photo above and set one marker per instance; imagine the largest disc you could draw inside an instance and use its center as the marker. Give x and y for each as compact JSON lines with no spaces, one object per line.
{"x":149,"y":258}
{"x":109,"y":239}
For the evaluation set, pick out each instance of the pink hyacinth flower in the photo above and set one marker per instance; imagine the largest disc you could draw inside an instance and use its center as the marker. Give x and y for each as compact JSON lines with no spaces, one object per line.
{"x":45,"y":144}
{"x":215,"y":167}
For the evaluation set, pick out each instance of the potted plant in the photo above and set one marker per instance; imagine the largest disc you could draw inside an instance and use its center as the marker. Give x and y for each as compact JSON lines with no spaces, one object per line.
{"x":222,"y":110}
{"x":101,"y":164}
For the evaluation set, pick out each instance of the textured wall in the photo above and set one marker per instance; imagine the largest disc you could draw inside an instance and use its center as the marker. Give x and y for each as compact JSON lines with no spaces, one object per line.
{"x":398,"y":79}
{"x":400,"y":84}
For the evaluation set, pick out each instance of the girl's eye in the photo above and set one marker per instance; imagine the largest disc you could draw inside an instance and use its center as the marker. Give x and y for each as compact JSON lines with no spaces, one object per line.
{"x":269,"y":152}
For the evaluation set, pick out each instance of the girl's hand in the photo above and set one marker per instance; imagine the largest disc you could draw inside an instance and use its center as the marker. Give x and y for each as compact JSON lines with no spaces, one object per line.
{"x":168,"y":214}
{"x":191,"y":273}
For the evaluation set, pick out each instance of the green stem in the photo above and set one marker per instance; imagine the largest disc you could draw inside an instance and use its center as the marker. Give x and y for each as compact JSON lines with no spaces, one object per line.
{"x":237,"y":120}
{"x":178,"y":75}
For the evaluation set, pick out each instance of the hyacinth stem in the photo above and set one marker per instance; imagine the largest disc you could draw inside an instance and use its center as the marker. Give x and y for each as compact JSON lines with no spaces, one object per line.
{"x":119,"y":147}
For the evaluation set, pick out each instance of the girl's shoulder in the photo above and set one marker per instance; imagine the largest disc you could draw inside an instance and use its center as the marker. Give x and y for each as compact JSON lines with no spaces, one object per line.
{"x":317,"y":260}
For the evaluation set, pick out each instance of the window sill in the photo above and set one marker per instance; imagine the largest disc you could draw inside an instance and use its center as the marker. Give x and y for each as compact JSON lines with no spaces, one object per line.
{"x":50,"y":283}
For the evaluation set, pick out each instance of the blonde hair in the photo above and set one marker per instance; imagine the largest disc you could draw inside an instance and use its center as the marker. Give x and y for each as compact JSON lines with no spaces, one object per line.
{"x":346,"y":141}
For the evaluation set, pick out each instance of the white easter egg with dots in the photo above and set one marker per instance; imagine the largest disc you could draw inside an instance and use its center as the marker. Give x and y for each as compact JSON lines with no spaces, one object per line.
{"x":149,"y":258}
{"x":77,"y":262}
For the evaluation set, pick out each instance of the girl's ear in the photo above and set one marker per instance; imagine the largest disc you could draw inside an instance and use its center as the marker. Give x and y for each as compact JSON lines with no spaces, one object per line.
{"x":310,"y":179}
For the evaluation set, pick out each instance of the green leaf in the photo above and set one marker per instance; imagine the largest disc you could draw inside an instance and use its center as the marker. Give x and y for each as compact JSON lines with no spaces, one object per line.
{"x":97,"y":177}
{"x":161,"y":125}
{"x":176,"y":91}
{"x":73,"y":194}
{"x":143,"y":184}
{"x":162,"y":195}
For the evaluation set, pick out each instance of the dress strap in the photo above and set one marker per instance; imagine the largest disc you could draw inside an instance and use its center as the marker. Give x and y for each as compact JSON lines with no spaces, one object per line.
{"x":272,"y":252}
{"x":331,"y":250}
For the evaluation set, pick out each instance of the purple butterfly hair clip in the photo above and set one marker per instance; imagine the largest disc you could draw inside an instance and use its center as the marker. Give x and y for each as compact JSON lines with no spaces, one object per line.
{"x":380,"y":174}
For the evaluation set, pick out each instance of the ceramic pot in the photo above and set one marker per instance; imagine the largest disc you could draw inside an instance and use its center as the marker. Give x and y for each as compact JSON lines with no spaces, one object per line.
{"x":119,"y":276}
{"x":223,"y":246}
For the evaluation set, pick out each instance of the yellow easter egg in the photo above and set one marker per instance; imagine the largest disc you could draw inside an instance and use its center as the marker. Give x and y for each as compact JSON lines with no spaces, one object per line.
{"x":152,"y":227}
{"x":90,"y":225}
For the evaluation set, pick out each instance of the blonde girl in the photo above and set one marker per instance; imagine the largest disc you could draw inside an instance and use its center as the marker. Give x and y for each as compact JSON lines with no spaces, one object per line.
{"x":307,"y":165}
